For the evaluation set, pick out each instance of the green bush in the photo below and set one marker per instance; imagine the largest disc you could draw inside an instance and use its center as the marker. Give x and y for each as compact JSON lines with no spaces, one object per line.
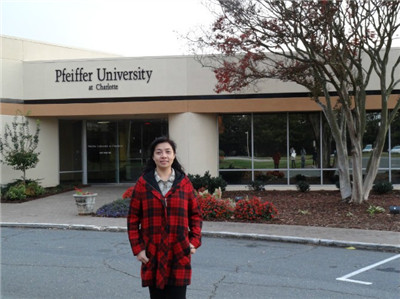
{"x":16,"y":192}
{"x":13,"y":190}
{"x":33,"y":189}
{"x":382,"y":187}
{"x":303,"y":186}
{"x":207,"y":182}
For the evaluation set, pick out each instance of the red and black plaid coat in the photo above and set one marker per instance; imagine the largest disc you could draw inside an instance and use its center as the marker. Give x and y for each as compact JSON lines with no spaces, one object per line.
{"x":164,"y":226}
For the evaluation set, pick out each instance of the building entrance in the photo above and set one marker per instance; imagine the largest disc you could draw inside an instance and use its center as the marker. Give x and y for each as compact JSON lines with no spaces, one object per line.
{"x":116,"y":150}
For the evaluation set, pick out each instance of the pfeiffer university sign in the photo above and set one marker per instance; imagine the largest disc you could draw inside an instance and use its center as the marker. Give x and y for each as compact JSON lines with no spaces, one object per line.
{"x":107,"y":78}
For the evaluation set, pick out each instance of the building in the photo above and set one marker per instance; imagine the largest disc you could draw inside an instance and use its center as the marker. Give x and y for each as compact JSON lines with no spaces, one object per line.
{"x":99,"y":113}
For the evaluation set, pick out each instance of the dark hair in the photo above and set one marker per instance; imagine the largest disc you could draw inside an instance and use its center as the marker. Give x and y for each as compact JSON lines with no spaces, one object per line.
{"x":151,"y":165}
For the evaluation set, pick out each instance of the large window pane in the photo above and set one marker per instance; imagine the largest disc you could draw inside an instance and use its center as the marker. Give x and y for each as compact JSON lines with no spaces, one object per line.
{"x":270,"y":137}
{"x":235,"y":141}
{"x":395,"y":149}
{"x":304,"y":131}
{"x":135,"y":137}
{"x":373,"y":122}
{"x":102,"y":151}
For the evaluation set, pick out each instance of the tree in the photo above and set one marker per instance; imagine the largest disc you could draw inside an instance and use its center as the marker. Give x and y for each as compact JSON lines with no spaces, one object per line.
{"x":18,"y":145}
{"x":332,"y":48}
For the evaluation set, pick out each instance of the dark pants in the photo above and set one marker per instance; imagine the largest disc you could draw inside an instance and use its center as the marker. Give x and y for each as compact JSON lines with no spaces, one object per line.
{"x":169,"y":292}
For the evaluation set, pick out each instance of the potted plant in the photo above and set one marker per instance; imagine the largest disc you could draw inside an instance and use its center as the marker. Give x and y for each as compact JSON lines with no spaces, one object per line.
{"x":84,"y":201}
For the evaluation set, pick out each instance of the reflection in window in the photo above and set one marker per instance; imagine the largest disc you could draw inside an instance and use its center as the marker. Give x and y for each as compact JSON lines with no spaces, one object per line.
{"x":394,"y":151}
{"x":235,"y":141}
{"x":270,"y":141}
{"x":304,"y":132}
{"x":293,"y":146}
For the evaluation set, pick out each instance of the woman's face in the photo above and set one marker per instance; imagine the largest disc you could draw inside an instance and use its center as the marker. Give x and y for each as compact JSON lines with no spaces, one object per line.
{"x":163,"y":155}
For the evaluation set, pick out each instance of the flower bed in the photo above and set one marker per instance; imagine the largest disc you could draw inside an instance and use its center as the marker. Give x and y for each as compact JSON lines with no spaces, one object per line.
{"x":213,"y":207}
{"x":253,"y":209}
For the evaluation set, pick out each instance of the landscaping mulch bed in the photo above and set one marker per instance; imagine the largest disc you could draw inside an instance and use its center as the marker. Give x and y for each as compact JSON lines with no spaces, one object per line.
{"x":325,"y":208}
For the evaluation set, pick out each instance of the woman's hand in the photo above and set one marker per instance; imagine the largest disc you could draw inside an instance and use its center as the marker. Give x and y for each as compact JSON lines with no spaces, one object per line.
{"x":141,"y":257}
{"x":192,"y":249}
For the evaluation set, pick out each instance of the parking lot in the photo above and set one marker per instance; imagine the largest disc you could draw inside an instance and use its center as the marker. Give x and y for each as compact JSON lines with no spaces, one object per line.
{"x":44,"y":263}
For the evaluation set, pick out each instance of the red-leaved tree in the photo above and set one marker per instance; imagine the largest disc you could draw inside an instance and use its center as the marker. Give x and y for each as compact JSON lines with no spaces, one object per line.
{"x":333,"y":48}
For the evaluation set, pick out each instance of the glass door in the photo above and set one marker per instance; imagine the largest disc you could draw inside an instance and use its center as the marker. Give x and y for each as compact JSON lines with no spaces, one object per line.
{"x":135,"y":137}
{"x":70,"y":144}
{"x":117,"y":150}
{"x":102,"y":154}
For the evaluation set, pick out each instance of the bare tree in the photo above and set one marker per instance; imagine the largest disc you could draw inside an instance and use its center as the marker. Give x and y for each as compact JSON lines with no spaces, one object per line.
{"x":333,"y":48}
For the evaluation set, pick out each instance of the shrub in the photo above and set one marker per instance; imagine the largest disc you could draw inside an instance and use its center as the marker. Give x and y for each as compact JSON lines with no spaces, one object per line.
{"x":16,"y":192}
{"x":372,"y":210}
{"x":254,"y":209}
{"x":33,"y":189}
{"x":117,"y":208}
{"x":303,"y":186}
{"x":257,"y":185}
{"x":207,"y":182}
{"x":213,"y":208}
{"x":382,"y":187}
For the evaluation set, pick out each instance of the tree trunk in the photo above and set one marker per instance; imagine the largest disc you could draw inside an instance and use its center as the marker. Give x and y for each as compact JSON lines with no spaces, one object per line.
{"x":338,"y":127}
{"x":370,"y":175}
{"x":356,"y":158}
{"x":344,"y":175}
{"x":374,"y":160}
{"x":24,"y":177}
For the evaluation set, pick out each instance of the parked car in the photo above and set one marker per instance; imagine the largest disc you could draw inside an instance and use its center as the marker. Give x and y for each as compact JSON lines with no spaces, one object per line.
{"x":367,"y":148}
{"x":395,"y":150}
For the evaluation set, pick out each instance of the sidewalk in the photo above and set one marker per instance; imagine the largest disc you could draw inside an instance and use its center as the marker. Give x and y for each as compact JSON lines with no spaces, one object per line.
{"x":59,"y":211}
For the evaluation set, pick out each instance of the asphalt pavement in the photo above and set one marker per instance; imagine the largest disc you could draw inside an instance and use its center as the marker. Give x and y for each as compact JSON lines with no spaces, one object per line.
{"x":60,"y":212}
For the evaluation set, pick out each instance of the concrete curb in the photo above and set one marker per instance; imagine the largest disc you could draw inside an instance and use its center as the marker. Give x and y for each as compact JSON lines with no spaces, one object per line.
{"x":301,"y":240}
{"x":213,"y":234}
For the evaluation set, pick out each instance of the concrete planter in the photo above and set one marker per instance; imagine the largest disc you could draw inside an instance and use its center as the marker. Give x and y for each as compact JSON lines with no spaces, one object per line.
{"x":85,"y":203}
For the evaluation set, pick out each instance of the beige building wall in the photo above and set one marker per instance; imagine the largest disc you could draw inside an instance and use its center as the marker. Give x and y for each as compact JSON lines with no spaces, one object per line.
{"x":15,"y":48}
{"x":14,"y":53}
{"x":196,"y":137}
{"x":7,"y":174}
{"x":48,"y":167}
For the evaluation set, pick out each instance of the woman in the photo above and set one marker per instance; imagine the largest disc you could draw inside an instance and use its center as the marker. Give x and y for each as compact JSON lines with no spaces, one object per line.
{"x":164,"y":223}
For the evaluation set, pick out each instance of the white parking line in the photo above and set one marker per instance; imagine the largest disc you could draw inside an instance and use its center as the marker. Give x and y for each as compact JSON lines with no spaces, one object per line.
{"x":345,"y":278}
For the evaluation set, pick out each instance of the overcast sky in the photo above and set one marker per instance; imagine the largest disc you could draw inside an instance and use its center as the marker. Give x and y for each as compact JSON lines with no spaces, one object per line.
{"x":125,"y":27}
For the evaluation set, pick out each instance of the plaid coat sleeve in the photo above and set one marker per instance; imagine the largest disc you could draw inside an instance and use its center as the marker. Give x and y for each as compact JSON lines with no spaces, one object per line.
{"x":195,"y":221}
{"x":134,"y":221}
